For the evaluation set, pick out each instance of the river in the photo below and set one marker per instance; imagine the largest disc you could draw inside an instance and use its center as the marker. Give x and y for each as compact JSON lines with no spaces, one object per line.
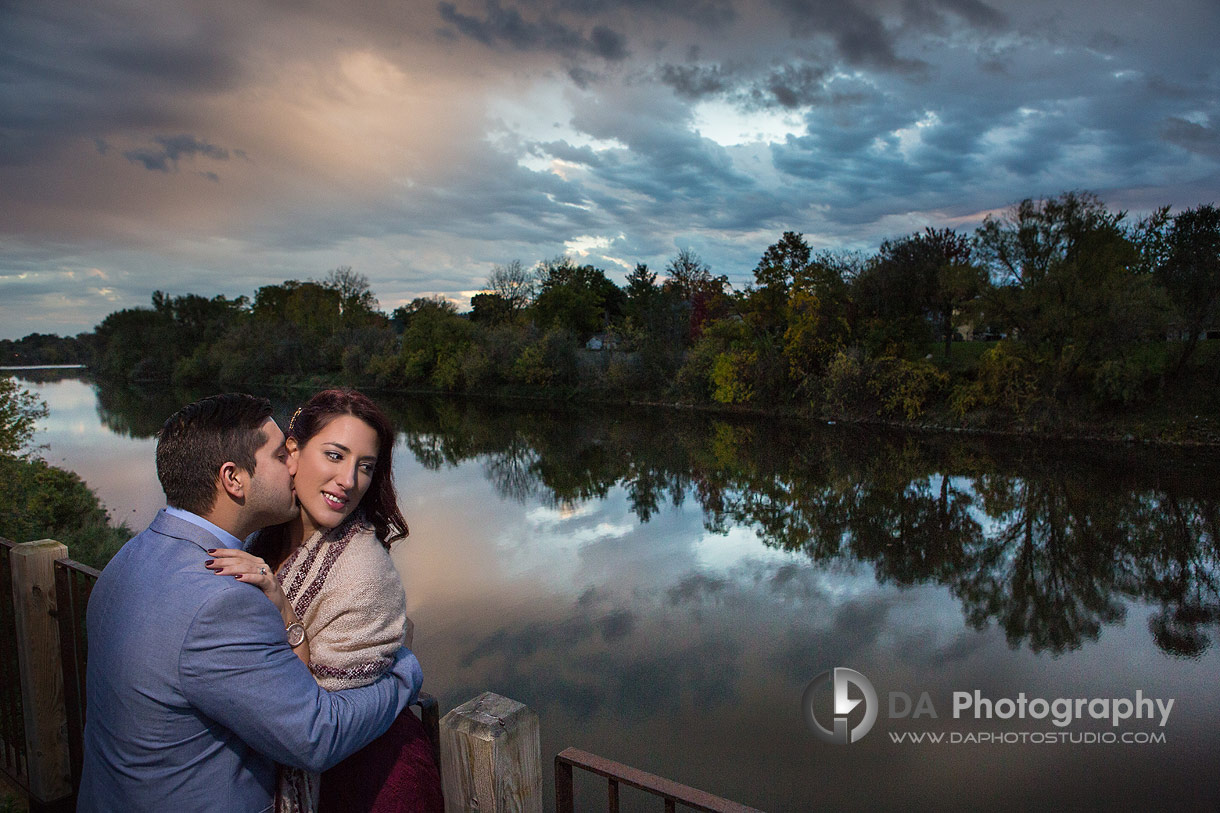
{"x":661,"y":587}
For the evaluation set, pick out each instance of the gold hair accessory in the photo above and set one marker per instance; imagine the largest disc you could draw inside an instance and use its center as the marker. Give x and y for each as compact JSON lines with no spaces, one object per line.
{"x":292,"y":421}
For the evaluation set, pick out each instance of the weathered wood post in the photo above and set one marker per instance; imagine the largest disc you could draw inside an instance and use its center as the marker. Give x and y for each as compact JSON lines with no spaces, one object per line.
{"x":42,"y":680}
{"x":491,"y":757}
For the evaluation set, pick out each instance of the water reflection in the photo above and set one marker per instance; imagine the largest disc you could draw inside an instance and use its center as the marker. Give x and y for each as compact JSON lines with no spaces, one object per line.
{"x":661,"y":585}
{"x":1047,"y":544}
{"x":1039,"y":542}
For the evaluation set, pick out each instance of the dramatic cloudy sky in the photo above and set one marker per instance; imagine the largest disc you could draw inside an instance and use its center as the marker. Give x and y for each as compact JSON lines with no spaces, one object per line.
{"x":213,"y":146}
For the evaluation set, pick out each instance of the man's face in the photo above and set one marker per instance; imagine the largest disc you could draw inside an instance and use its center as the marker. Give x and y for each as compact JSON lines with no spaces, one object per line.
{"x":270,"y":500}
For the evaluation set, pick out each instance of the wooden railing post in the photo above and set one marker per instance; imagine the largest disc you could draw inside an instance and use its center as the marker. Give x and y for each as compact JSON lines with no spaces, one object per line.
{"x":42,"y":681}
{"x":491,"y":757}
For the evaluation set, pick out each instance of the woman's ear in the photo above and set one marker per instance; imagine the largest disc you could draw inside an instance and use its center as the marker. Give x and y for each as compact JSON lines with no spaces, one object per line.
{"x":294,"y":454}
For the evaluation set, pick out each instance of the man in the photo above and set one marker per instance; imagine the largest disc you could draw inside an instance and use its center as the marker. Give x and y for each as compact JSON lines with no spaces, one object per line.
{"x":193,"y":690}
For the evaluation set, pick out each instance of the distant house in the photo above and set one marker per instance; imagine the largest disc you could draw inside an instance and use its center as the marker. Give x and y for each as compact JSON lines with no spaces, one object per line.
{"x":602,"y":341}
{"x":1178,"y":333}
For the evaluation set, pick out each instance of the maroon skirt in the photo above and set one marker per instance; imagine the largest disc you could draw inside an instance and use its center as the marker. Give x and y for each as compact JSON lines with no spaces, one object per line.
{"x":395,"y":773}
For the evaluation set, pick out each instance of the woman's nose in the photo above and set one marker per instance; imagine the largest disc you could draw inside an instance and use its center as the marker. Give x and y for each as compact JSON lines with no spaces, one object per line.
{"x":346,"y":478}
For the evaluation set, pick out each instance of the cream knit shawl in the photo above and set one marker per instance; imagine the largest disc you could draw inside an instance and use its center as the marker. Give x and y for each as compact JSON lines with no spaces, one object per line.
{"x":344,"y":588}
{"x":346,"y":592}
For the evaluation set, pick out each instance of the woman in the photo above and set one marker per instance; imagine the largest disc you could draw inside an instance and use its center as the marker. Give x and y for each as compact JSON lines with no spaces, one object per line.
{"x":332,"y":571}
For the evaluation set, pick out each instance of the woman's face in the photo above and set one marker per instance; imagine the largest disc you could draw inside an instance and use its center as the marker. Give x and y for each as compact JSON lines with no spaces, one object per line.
{"x":334,"y":469}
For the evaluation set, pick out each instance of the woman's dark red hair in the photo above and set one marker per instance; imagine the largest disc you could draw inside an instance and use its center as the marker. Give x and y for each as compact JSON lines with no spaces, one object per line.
{"x":380,"y":502}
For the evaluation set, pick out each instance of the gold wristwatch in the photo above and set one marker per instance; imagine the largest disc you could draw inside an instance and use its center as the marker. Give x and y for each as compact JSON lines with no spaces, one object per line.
{"x":296,"y":634}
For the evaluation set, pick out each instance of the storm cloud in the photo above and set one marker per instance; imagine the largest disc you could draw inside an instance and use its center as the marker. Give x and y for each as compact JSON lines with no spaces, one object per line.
{"x":507,"y":26}
{"x":150,"y":146}
{"x":164,"y":157}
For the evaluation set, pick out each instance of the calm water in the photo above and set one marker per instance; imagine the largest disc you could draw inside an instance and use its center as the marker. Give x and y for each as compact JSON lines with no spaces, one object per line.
{"x":660,"y":587}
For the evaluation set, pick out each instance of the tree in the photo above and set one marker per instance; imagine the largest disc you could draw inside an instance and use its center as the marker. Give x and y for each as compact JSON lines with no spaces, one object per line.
{"x":137,"y":344}
{"x":576,"y":298}
{"x":924,"y":279}
{"x":818,"y":325}
{"x":490,"y":309}
{"x":642,"y":288}
{"x":1069,"y":286}
{"x":357,"y":303}
{"x":652,"y":309}
{"x":432,"y":346}
{"x":514,"y":284}
{"x":690,"y":276}
{"x":45,"y":348}
{"x":781,"y":264}
{"x":314,"y":309}
{"x":20,"y":410}
{"x":1190,"y":272}
{"x":691,"y":280}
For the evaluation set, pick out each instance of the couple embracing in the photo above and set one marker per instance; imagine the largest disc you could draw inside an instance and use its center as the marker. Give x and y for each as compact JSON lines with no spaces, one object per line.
{"x":249,"y":649}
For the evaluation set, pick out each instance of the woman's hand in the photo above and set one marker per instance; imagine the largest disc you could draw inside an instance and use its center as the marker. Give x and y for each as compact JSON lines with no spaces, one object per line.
{"x":252,"y":570}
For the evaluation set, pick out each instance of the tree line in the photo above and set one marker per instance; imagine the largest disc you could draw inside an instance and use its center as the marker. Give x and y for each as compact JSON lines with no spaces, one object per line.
{"x":1053,"y":308}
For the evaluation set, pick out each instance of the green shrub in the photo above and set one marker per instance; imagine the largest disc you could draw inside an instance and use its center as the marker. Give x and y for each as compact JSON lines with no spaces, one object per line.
{"x":904,"y":387}
{"x":447,"y":374}
{"x":45,"y":502}
{"x":531,"y":367}
{"x":845,"y":385}
{"x":1007,"y":380}
{"x":20,"y":410}
{"x":728,"y":377}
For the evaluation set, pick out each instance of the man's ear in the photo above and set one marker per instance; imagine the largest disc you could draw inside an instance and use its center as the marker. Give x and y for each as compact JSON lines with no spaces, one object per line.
{"x":233,"y":480}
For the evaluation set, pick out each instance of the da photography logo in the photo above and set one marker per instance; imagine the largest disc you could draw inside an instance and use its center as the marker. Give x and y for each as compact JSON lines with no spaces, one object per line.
{"x":841,"y":680}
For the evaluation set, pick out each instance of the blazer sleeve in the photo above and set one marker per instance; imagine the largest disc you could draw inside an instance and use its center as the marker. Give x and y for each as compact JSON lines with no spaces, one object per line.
{"x":236,"y":667}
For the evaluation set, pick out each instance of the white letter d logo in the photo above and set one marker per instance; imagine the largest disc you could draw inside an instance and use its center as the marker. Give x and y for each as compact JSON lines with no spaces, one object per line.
{"x":843,"y":704}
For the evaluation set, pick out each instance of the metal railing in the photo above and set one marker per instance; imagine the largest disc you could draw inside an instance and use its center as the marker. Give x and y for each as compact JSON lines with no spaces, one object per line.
{"x":12,"y":716}
{"x":73,"y":584}
{"x":616,"y":773}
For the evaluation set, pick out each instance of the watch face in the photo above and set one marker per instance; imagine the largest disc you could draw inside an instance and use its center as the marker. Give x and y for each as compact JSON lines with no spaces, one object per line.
{"x":296,"y":634}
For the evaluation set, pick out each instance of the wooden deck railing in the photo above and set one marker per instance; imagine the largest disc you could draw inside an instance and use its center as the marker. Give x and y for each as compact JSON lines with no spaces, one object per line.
{"x":12,"y":722}
{"x":35,"y":672}
{"x":73,"y":584}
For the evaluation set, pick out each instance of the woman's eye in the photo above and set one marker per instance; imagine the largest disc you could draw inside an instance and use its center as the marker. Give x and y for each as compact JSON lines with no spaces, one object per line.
{"x":367,"y":468}
{"x":333,"y":456}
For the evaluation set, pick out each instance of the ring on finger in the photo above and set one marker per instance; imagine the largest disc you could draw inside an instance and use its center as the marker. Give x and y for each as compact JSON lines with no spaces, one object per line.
{"x":262,"y":571}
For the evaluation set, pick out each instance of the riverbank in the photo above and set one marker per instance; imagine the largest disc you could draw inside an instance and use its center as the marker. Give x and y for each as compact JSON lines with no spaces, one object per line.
{"x":1148,"y":427}
{"x":1187,"y":418}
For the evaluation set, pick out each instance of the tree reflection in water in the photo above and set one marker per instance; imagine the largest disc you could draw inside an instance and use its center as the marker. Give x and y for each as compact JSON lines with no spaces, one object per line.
{"x":1035,"y":540}
{"x":1047,"y":543}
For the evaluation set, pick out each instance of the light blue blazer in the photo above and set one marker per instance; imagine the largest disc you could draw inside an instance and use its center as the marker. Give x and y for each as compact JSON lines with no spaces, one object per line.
{"x":193,"y":692}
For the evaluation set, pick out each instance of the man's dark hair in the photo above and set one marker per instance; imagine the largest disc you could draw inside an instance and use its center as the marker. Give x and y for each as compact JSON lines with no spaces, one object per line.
{"x":201,"y":437}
